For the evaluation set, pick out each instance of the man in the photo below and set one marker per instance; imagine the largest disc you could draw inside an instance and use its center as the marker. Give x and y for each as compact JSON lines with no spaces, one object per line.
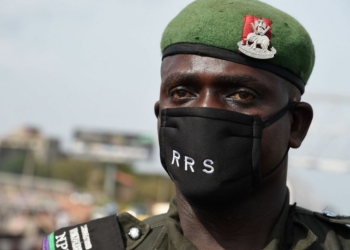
{"x":233,"y":73}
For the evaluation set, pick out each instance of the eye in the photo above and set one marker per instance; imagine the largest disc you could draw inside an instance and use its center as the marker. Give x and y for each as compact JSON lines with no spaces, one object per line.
{"x":180,"y":93}
{"x":242,"y":95}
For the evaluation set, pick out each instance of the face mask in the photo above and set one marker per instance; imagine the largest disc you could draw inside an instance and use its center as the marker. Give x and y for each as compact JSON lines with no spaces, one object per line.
{"x":213,"y":155}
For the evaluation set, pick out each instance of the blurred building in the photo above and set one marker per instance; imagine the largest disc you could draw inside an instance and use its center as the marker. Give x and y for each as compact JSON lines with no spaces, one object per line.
{"x":32,"y":207}
{"x":111,"y":147}
{"x":29,"y":141}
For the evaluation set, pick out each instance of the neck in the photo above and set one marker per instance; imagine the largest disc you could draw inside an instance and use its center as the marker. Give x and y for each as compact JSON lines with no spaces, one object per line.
{"x":245,"y":224}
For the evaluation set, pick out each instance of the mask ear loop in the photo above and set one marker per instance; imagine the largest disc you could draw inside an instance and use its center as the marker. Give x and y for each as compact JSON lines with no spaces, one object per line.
{"x":270,"y":121}
{"x":279,"y":114}
{"x":278,"y":165}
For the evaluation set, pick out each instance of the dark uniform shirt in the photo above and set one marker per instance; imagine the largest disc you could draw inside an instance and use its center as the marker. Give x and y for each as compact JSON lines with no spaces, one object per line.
{"x":296,"y":228}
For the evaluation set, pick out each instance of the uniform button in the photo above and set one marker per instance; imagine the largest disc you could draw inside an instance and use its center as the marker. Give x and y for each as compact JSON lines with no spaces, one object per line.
{"x":134,"y":233}
{"x":330,"y":214}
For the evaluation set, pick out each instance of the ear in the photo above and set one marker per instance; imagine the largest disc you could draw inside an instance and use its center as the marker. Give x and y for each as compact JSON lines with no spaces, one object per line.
{"x":156,"y":109}
{"x":301,"y":119}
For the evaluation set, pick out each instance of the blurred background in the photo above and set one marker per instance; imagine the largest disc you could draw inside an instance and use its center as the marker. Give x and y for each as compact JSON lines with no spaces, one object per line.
{"x":78,"y":136}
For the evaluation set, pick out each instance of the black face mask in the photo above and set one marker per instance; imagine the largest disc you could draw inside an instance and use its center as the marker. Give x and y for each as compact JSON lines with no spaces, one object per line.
{"x":213,"y":155}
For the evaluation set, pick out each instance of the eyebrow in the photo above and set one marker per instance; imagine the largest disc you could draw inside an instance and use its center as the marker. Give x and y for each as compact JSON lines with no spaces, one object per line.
{"x":187,"y":78}
{"x":181,"y":78}
{"x":236,"y":79}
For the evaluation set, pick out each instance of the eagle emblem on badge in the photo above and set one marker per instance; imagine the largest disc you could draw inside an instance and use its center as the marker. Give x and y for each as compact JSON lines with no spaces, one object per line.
{"x":256,"y":38}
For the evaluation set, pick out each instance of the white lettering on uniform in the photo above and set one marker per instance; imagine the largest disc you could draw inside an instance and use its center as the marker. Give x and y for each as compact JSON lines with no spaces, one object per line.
{"x":210,"y":169}
{"x":189,"y":162}
{"x":86,"y":237}
{"x":176,"y":156}
{"x":75,"y":239}
{"x":61,"y":241}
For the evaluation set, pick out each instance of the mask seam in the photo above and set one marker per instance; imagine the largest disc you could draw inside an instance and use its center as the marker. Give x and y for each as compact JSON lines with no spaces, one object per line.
{"x":221,"y":119}
{"x":229,"y":136}
{"x":253,"y":148}
{"x":163,"y":123}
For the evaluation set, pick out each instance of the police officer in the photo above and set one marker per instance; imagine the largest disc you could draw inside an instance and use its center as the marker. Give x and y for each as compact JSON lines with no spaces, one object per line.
{"x":233,"y":73}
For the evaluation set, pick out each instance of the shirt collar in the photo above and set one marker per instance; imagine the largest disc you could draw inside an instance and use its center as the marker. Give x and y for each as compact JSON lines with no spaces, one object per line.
{"x":302,"y":238}
{"x":176,"y":238}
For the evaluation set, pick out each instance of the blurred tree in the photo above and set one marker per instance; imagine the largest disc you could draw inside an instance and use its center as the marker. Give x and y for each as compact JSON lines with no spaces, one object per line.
{"x":76,"y":172}
{"x":153,"y":188}
{"x":11,"y":160}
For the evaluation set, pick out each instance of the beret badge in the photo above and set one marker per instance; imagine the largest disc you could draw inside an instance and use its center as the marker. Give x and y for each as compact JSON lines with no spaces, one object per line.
{"x":256,"y":37}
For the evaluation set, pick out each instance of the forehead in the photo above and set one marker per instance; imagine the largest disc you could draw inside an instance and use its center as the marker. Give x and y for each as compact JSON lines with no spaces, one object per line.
{"x":207,"y":68}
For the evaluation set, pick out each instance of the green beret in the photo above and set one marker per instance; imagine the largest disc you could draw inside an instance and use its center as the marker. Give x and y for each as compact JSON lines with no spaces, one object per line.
{"x":248,"y":32}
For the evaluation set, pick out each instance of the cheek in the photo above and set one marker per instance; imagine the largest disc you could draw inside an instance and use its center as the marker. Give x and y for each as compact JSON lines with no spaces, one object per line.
{"x":275,"y":141}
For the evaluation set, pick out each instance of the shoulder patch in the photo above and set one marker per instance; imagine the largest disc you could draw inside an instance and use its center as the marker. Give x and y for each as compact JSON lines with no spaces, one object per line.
{"x":97,"y":234}
{"x":49,"y":243}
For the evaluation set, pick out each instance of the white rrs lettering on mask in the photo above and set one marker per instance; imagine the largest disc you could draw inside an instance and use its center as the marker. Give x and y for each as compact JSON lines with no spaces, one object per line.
{"x":189,"y":162}
{"x":176,"y":157}
{"x":210,"y":169}
{"x":61,"y":241}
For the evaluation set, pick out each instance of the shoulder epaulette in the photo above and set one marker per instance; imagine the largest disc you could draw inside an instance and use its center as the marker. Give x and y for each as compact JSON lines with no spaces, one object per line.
{"x":333,"y":218}
{"x":327,"y":216}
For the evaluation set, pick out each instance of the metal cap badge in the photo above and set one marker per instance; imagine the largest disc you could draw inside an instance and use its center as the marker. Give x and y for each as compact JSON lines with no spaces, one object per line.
{"x":256,"y":38}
